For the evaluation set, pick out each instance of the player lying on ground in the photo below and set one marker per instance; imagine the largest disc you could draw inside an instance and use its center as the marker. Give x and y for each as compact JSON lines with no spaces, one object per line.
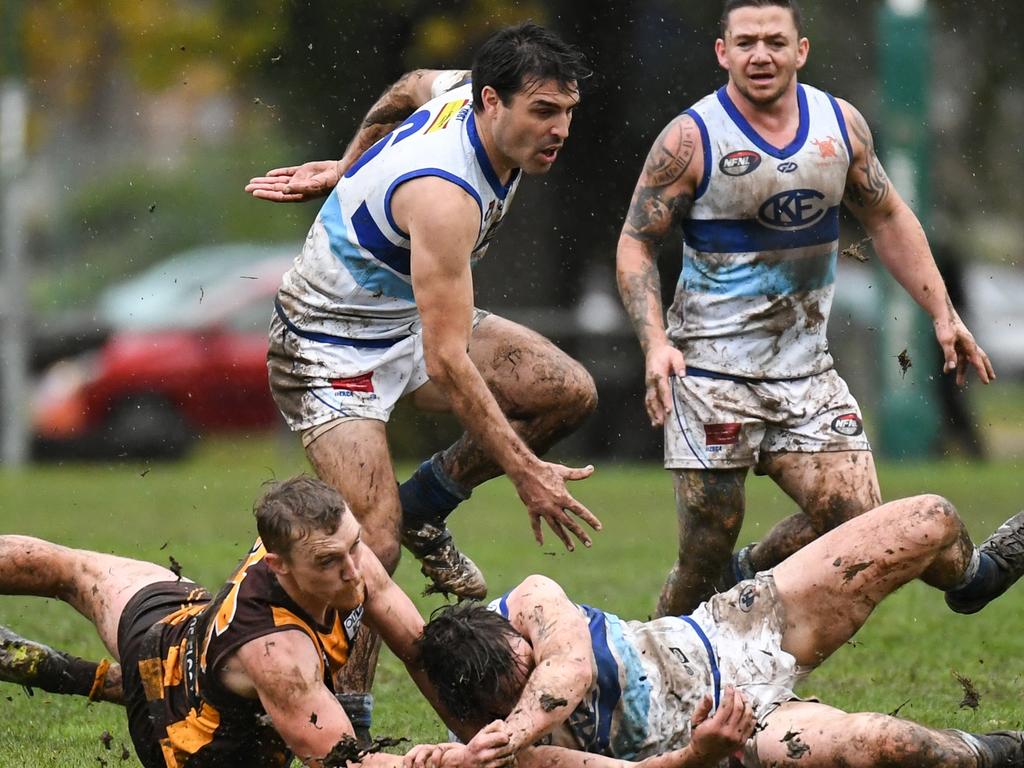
{"x":200,"y":673}
{"x":536,"y":667}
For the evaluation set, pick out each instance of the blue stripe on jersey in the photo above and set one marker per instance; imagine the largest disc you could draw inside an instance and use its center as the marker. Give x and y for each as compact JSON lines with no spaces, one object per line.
{"x":706,"y":141}
{"x":609,"y":691}
{"x":785,"y":278}
{"x":751,"y":236}
{"x":367,"y":273}
{"x":485,"y":162}
{"x":842,"y":126}
{"x":748,"y":130}
{"x":716,"y":673}
{"x":418,"y":173}
{"x":373,"y":239}
{"x":636,"y":699}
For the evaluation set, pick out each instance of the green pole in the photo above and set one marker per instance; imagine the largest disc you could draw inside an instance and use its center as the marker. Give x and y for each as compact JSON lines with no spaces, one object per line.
{"x":910,"y":419}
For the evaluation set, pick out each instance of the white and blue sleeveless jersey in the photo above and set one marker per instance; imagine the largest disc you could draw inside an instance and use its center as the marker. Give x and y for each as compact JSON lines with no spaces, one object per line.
{"x":760,"y":243}
{"x":352,"y":283}
{"x":650,"y":677}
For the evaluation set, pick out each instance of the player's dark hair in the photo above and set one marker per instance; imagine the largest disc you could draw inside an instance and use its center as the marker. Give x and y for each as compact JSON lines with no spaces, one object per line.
{"x":465,"y":650}
{"x":732,"y":5}
{"x":292,"y":509}
{"x":517,"y":57}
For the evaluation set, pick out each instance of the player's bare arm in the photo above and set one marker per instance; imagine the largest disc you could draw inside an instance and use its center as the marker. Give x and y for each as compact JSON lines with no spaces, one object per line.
{"x":563,"y":659}
{"x":443,"y":223}
{"x":286,"y":673}
{"x":902,"y":246}
{"x":663,"y":196}
{"x":296,"y":184}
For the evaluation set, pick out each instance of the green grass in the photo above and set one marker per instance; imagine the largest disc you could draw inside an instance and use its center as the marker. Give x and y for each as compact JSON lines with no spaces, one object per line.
{"x":200,"y":508}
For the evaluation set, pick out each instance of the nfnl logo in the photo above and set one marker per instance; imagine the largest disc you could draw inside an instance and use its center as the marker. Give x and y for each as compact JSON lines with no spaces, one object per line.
{"x":793,"y":209}
{"x":739,"y":163}
{"x":848,"y":424}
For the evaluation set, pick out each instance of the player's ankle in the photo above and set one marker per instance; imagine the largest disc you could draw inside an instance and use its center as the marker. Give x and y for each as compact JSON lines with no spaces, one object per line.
{"x":430,"y":495}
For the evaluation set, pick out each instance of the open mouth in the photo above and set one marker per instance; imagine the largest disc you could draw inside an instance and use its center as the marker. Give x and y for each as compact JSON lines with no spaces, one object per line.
{"x":762,"y":77}
{"x":550,"y":153}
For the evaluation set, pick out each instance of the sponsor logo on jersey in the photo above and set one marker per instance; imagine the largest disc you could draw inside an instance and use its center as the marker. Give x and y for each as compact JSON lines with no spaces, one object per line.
{"x":445,"y":115}
{"x":739,"y":163}
{"x":787,"y":167}
{"x":792,"y":209}
{"x":848,"y":424}
{"x":828,"y":147}
{"x":721,"y":434}
{"x":352,"y":622}
{"x":361,"y":383}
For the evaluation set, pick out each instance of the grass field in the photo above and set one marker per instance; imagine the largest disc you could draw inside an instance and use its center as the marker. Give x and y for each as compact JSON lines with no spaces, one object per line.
{"x":905,"y":658}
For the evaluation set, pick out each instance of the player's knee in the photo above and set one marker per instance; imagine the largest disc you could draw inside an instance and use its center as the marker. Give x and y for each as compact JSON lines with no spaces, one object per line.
{"x":580,"y":392}
{"x":935,"y":519}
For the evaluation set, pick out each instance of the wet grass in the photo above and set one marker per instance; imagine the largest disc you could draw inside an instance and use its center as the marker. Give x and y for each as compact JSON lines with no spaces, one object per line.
{"x":905,"y":658}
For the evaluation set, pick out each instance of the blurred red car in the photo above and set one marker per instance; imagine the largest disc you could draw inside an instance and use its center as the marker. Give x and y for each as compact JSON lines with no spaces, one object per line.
{"x":195,"y":364}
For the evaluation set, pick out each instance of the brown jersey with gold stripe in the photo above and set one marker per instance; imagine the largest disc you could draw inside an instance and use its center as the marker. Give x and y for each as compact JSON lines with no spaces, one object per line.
{"x":199,"y":722}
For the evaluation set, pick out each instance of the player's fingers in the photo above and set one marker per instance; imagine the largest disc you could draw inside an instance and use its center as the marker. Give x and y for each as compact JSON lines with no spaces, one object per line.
{"x":559,"y":531}
{"x":665,"y":396}
{"x":538,"y":532}
{"x":653,"y":404}
{"x":577,"y":473}
{"x":568,"y":521}
{"x":585,"y":515}
{"x":266,"y":181}
{"x":700,"y":714}
{"x":982,"y":365}
{"x":289,"y":171}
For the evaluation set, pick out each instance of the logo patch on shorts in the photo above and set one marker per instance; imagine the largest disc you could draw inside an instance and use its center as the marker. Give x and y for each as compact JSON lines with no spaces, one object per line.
{"x":747,"y":597}
{"x":848,"y":424}
{"x":721,"y":434}
{"x":361,"y":383}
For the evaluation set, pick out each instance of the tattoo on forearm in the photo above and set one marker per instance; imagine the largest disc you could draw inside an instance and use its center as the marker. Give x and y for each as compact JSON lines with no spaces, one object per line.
{"x":641,"y":290}
{"x":869,"y":186}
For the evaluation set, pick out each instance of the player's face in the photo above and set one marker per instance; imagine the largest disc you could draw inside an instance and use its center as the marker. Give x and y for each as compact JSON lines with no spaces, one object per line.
{"x":762,"y":52}
{"x":327,"y":568}
{"x":529,"y":131}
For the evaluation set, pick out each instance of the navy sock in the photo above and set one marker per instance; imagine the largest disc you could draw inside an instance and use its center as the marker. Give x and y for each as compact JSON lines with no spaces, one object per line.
{"x":986,"y":580}
{"x":430,"y":495}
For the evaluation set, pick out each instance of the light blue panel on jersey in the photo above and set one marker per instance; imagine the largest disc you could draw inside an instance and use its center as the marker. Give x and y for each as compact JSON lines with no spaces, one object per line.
{"x":784,"y":278}
{"x":368,"y":273}
{"x":636,"y":698}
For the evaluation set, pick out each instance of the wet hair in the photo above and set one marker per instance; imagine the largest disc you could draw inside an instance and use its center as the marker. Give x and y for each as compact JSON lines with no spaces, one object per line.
{"x":466,"y":651}
{"x":732,"y":5}
{"x":292,"y":509}
{"x":517,"y":57}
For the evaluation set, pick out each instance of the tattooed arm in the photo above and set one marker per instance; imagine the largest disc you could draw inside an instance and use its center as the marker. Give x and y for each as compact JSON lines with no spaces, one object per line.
{"x":296,"y":184}
{"x":663,"y":197}
{"x":903,"y":248}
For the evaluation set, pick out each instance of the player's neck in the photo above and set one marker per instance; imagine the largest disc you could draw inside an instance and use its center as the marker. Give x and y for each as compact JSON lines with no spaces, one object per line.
{"x":317,"y":609}
{"x":778,"y":121}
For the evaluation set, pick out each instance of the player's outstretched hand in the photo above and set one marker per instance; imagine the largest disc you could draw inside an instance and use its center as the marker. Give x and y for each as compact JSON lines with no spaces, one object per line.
{"x":543,"y":491}
{"x":960,"y":350}
{"x":717,"y":736}
{"x":663,"y":362}
{"x":297,"y":183}
{"x":427,"y":755}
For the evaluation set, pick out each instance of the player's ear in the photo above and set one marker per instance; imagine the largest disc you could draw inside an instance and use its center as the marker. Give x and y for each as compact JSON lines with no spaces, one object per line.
{"x":276,"y":563}
{"x":803,"y":47}
{"x":490,"y":99}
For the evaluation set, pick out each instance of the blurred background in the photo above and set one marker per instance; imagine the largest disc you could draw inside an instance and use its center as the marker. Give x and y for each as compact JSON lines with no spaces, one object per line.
{"x":138,"y":277}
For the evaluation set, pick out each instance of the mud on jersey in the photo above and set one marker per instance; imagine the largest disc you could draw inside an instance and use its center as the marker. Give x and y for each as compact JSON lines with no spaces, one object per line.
{"x":199,"y":722}
{"x":760,"y":243}
{"x":352,"y":282}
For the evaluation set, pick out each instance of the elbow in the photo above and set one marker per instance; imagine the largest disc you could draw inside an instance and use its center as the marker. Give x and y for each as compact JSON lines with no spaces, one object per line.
{"x":440,"y":368}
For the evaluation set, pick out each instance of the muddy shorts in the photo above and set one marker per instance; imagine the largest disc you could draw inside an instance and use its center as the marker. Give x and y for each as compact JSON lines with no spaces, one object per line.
{"x":149,"y":605}
{"x":744,"y":626}
{"x":726,"y":423}
{"x":315,"y":382}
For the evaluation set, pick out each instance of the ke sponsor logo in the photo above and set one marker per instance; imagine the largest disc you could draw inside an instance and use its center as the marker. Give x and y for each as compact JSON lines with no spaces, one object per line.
{"x":739,"y":163}
{"x":848,"y":424}
{"x":787,"y":167}
{"x":792,"y":209}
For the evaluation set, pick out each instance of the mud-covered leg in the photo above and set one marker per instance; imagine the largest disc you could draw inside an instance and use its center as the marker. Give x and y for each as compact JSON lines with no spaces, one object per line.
{"x":830,"y":488}
{"x":709,"y":504}
{"x":35,"y":665}
{"x":811,"y":735}
{"x":830,"y":587}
